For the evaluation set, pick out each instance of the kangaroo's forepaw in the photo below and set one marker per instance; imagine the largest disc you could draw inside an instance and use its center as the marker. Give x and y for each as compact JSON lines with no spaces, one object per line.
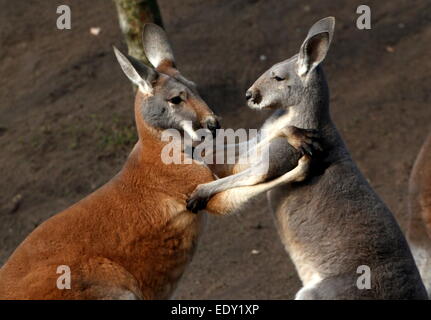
{"x":197,"y":201}
{"x":304,"y":140}
{"x":303,"y":168}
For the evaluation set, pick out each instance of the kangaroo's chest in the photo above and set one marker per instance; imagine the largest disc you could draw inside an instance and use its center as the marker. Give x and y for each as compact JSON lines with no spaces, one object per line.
{"x":180,"y":248}
{"x":173,"y":247}
{"x":184,"y":178}
{"x":301,"y":226}
{"x":291,"y":226}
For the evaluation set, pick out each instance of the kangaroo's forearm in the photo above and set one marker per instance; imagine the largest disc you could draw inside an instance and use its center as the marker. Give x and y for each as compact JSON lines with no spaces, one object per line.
{"x":226,"y":159}
{"x":222,"y":170}
{"x":233,"y":199}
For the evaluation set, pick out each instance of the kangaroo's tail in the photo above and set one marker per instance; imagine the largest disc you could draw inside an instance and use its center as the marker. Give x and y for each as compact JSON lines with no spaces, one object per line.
{"x":419,"y":228}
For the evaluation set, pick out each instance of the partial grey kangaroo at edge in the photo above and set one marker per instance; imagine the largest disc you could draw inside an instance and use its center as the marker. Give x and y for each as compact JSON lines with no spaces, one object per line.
{"x":333,"y":222}
{"x":419,"y":228}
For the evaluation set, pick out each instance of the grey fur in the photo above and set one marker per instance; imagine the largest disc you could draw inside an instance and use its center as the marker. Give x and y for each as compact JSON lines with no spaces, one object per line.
{"x":418,"y":231}
{"x":159,"y":88}
{"x":156,"y":45}
{"x":334,"y":222}
{"x":137,"y":72}
{"x":161,"y":114}
{"x":318,"y":41}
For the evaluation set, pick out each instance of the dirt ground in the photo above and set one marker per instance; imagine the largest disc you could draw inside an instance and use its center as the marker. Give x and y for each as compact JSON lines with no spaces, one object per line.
{"x":66,"y":118}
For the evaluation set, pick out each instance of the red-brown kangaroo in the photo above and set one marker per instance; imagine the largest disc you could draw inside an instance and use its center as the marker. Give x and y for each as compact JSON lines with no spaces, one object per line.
{"x":133,"y":237}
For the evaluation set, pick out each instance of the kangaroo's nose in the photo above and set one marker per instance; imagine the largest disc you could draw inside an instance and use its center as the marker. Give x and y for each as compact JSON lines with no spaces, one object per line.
{"x":212,"y":125}
{"x":253,"y":95}
{"x":248,"y":95}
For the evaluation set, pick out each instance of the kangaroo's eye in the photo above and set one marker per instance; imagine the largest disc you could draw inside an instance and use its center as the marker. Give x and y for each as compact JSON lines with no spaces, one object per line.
{"x":278,"y":78}
{"x":175,"y":100}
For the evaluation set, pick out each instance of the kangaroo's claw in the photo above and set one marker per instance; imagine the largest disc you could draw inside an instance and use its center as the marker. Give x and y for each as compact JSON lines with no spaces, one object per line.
{"x":306,"y":149}
{"x":196,"y":202}
{"x":304,"y":140}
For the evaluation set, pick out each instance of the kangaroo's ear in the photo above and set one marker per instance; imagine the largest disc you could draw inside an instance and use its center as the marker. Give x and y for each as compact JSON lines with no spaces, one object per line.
{"x":157,"y":48}
{"x":316,"y":45}
{"x":137,"y":72}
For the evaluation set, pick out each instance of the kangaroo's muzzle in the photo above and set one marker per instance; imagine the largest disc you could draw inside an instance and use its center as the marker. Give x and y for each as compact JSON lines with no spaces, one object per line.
{"x":253,"y":97}
{"x":212,"y":124}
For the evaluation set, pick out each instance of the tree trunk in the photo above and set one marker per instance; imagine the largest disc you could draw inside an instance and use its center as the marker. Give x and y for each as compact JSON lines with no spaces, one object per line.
{"x":133,"y":14}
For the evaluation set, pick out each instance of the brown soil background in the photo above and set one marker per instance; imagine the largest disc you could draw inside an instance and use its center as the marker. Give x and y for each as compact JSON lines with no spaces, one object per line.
{"x":66,"y":118}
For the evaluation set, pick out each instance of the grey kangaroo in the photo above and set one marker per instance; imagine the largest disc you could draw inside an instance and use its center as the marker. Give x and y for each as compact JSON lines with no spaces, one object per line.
{"x":419,"y":229}
{"x":333,"y":222}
